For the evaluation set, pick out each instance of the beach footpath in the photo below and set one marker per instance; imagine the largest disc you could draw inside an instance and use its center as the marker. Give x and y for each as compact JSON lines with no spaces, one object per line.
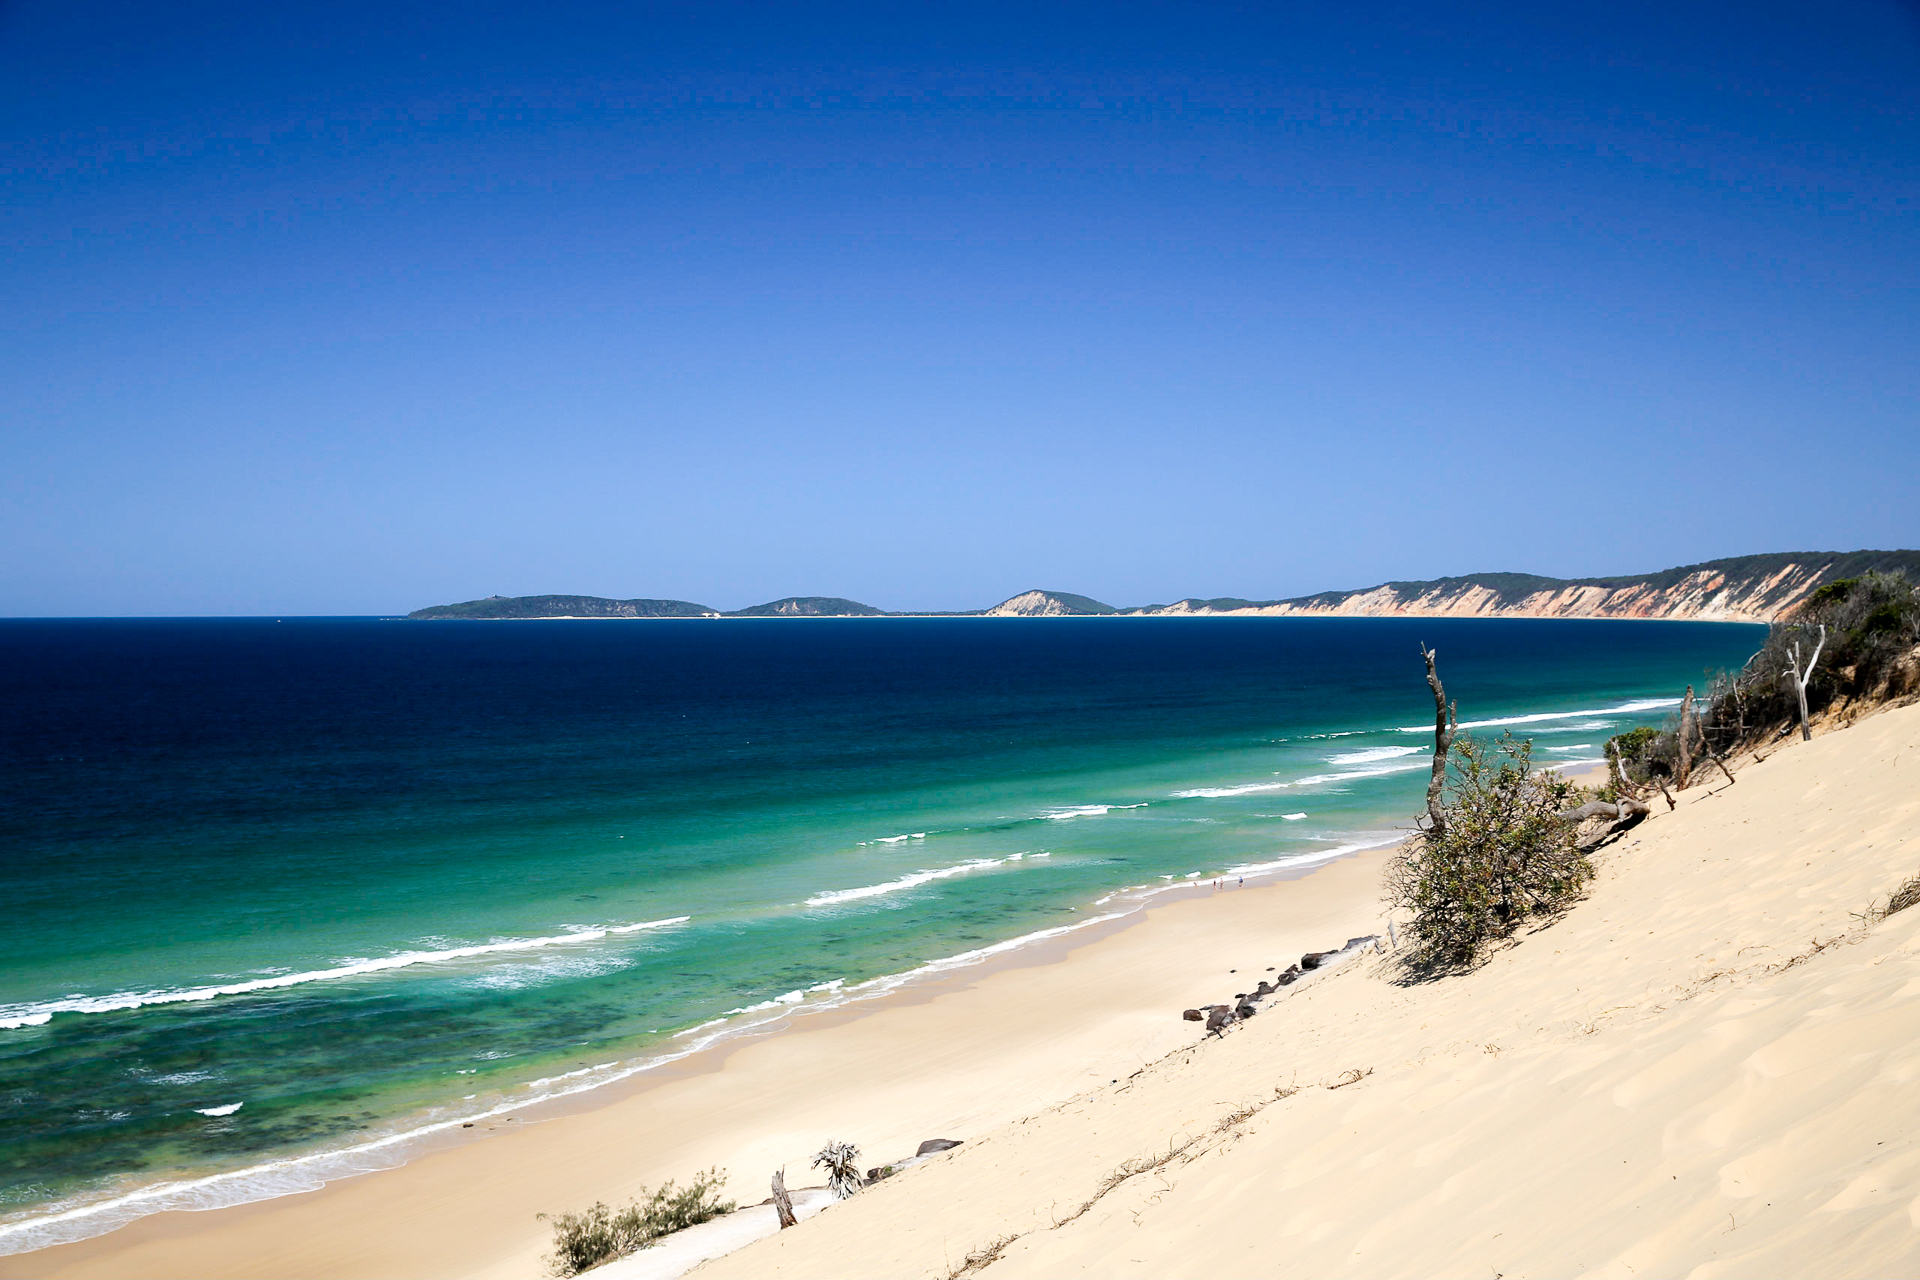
{"x":1707,"y":1067}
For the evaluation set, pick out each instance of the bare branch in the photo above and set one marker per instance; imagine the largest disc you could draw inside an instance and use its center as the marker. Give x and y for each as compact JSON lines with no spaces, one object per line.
{"x":1444,"y":720}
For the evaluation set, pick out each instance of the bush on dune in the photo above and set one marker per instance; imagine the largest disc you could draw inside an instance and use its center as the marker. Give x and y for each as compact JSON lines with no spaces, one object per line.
{"x":1872,"y":622}
{"x":1501,"y":855}
{"x":600,"y":1234}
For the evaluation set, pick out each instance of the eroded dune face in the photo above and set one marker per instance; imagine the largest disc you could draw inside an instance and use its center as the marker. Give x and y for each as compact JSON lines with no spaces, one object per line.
{"x":1708,"y":595}
{"x":1704,"y":1068}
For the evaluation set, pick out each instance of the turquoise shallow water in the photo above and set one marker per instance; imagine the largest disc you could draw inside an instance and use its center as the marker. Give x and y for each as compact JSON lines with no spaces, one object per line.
{"x":281,"y":890}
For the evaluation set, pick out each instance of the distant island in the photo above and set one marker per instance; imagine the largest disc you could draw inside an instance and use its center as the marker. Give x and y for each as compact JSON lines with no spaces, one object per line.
{"x":1762,"y":588}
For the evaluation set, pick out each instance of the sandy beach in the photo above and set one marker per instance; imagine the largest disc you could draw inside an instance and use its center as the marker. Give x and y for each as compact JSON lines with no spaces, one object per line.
{"x":1703,"y":1068}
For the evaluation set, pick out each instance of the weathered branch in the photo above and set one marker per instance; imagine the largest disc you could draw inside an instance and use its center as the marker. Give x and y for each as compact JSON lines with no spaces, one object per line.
{"x":1715,"y":756}
{"x":1625,"y":785}
{"x":1443,"y":729}
{"x":1801,"y":677}
{"x":1685,"y":766}
{"x":1619,"y":816}
{"x":1627,"y":807}
{"x":782,"y":1202}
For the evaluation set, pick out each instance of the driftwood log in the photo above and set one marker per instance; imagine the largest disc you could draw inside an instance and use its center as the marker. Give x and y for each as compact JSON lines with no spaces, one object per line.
{"x":1626,"y":808}
{"x":782,"y":1202}
{"x":1620,"y":814}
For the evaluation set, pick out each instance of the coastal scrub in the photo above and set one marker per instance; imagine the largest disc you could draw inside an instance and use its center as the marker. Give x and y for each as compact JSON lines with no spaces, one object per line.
{"x":1503,"y":854}
{"x":583,"y":1240}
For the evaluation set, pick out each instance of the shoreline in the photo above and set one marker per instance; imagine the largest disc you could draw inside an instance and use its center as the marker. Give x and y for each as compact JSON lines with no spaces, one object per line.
{"x":1702,"y":1068}
{"x":245,"y":1238}
{"x":300,"y":1173}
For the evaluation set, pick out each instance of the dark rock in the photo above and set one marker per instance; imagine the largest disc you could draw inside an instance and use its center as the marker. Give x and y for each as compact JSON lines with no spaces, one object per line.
{"x":1219,"y":1018}
{"x":932,"y":1145}
{"x":1313,"y":959}
{"x":1244,"y":1010}
{"x":1193,"y":1015}
{"x":1291,"y":976}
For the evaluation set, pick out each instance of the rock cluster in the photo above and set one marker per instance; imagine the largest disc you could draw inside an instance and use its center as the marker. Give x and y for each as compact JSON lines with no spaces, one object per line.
{"x":1219,"y":1017}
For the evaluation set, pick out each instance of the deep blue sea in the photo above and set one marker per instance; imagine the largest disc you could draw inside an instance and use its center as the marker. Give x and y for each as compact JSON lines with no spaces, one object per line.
{"x":281,"y":893}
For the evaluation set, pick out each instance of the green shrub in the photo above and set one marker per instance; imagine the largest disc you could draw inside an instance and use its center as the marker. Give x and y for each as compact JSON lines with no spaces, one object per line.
{"x":583,"y":1240}
{"x":1871,"y":621}
{"x":1502,"y":855}
{"x":1645,"y":752}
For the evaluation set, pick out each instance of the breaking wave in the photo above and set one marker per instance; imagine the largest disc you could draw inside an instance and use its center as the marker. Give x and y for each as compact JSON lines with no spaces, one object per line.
{"x":39,"y":1012}
{"x":912,"y":881}
{"x":1625,"y":708}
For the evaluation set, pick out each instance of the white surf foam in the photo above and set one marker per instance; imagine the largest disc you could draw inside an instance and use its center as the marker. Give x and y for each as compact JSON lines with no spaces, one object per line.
{"x":1625,"y":708}
{"x":227,"y":1110}
{"x":1371,"y":754}
{"x":1218,"y":793}
{"x":911,"y":835}
{"x":1293,"y":862}
{"x":1321,"y":779}
{"x":912,"y":881}
{"x":38,"y":1012}
{"x":1293,"y":817}
{"x":1087,"y":811}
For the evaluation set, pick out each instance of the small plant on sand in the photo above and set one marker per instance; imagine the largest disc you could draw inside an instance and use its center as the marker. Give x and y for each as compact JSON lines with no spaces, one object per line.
{"x":842,"y":1161}
{"x":1501,"y":854}
{"x":583,"y":1240}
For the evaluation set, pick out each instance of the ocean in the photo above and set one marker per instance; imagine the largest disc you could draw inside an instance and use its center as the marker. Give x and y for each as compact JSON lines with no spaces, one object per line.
{"x":286,"y":895}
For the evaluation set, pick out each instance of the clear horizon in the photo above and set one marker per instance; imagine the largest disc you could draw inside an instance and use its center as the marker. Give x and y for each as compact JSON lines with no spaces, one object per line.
{"x":355,"y":309}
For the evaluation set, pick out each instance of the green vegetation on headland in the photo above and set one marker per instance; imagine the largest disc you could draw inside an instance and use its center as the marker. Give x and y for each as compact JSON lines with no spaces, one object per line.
{"x":504,"y":607}
{"x":1763,"y":588}
{"x":810,"y":607}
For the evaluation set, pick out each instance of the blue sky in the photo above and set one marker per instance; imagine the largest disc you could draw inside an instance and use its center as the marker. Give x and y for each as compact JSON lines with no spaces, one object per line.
{"x":352,"y":308}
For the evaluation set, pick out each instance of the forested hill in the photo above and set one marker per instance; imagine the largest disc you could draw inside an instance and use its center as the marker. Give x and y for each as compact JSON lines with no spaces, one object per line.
{"x":495,"y":608}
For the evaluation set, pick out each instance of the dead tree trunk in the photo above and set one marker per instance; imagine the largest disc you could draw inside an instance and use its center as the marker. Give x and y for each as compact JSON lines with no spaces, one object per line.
{"x":1443,"y":729}
{"x":782,"y":1202}
{"x":1801,"y":677}
{"x":1684,"y":767}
